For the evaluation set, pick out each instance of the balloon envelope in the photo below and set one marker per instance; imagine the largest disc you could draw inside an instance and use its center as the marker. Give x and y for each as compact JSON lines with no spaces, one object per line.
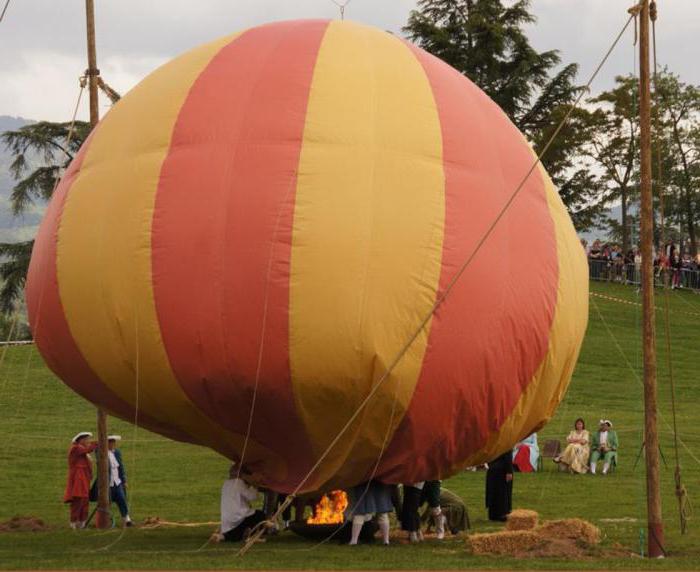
{"x":251,"y":236}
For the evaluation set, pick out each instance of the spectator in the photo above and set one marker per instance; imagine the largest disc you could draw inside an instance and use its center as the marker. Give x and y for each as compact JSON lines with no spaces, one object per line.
{"x":576,"y":453}
{"x":604,"y":446}
{"x":525,"y":454}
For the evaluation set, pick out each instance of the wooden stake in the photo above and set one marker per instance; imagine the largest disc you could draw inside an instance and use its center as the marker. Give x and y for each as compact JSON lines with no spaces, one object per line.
{"x":655,"y":538}
{"x":102,"y":517}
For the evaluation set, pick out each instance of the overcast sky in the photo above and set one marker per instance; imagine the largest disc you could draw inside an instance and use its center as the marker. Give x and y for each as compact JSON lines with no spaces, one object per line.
{"x":42,"y":42}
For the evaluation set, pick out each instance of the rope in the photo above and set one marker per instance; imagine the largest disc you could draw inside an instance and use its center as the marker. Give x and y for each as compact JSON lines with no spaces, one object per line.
{"x":111,"y":94}
{"x":341,"y":6}
{"x":680,"y":490}
{"x":2,"y":16}
{"x":443,"y":296}
{"x":631,"y":303}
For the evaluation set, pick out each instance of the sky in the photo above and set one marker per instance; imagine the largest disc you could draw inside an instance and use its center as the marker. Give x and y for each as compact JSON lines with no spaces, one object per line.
{"x":42,"y":42}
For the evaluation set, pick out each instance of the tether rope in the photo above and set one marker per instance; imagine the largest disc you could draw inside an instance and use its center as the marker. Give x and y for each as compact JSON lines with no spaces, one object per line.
{"x":341,"y":6}
{"x":443,"y":296}
{"x":2,"y":16}
{"x":684,"y":508}
{"x":638,"y":379}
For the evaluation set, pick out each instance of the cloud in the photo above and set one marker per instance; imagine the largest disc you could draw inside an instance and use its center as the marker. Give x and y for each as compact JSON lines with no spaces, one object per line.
{"x":42,"y":42}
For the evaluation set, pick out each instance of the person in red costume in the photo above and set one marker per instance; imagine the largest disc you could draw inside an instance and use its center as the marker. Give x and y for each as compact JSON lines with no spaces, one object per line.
{"x":79,"y":477}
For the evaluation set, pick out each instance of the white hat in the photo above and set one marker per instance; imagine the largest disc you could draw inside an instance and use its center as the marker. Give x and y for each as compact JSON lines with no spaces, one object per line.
{"x":114,"y":437}
{"x":606,"y":422}
{"x":80,"y":435}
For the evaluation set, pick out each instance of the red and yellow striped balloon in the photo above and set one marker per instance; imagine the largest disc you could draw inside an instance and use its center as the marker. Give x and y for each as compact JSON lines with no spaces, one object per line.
{"x":279,"y":209}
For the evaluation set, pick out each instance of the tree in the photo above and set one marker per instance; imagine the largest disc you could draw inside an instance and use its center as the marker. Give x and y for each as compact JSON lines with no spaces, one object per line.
{"x":46,"y":143}
{"x":614,"y":145}
{"x":679,"y":143}
{"x":485,"y":41}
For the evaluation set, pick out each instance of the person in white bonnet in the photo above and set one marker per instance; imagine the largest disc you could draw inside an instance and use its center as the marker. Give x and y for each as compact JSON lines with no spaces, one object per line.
{"x":604,"y":445}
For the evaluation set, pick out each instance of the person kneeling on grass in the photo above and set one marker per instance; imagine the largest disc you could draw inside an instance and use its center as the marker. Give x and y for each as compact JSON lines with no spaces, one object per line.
{"x":604,"y":446}
{"x":238,"y":517}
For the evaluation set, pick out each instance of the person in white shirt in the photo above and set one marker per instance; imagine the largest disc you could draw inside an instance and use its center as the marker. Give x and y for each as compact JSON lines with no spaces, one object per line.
{"x":117,"y":479}
{"x":238,"y":517}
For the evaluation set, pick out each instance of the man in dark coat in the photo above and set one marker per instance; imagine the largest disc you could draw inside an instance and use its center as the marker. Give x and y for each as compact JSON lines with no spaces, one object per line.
{"x":117,"y":480}
{"x":499,"y":487}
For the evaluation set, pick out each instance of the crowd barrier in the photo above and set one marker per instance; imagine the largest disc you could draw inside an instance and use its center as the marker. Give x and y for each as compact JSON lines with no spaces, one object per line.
{"x":613,"y":271}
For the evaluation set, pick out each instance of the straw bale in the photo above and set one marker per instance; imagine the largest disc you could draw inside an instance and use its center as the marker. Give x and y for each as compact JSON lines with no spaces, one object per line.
{"x":522,"y":519}
{"x":506,"y":542}
{"x":571,"y":528}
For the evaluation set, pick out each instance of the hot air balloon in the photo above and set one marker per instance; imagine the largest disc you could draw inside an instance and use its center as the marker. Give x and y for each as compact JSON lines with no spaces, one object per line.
{"x":251,"y":238}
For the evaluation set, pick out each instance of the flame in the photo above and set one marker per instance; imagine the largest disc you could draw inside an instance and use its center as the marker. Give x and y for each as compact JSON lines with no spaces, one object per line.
{"x":330,"y":509}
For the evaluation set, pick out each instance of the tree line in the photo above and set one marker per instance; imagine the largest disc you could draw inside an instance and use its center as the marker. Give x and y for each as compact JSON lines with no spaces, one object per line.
{"x":593,"y":161}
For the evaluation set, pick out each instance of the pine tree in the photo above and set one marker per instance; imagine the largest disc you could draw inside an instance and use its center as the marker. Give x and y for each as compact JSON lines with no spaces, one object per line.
{"x":485,"y":40}
{"x":47,"y":142}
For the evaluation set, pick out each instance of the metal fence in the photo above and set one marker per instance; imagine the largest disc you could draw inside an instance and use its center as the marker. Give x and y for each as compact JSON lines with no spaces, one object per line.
{"x":613,"y":271}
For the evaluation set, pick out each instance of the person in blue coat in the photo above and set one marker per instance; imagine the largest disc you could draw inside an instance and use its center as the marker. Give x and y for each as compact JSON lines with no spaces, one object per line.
{"x":117,"y":480}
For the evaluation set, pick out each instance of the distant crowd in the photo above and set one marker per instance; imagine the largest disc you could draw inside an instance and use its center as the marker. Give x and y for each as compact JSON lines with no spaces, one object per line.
{"x":609,"y":262}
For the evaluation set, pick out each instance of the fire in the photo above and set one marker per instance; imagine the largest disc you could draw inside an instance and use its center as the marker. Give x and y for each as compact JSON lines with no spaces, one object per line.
{"x":330,"y":509}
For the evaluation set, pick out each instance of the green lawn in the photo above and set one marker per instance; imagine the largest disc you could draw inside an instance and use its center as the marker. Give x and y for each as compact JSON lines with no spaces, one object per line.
{"x":181,"y":482}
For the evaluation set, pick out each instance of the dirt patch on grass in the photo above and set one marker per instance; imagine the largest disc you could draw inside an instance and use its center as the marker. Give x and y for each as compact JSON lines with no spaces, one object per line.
{"x":23,"y":524}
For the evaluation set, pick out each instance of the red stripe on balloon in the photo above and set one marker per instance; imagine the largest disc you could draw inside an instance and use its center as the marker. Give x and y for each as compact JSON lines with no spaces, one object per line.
{"x":48,"y":322}
{"x":222,"y":234}
{"x":488,"y":338}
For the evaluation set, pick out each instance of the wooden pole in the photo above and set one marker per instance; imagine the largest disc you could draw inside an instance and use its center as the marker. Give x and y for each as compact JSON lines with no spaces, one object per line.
{"x":102,"y":517}
{"x":655,"y":538}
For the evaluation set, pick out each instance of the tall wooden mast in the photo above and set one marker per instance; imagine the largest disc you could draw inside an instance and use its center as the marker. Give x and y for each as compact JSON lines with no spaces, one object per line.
{"x":103,"y":518}
{"x":655,"y":538}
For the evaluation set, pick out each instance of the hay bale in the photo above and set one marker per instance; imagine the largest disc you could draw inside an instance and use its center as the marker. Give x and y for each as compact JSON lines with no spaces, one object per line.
{"x":570,"y":528}
{"x":508,"y":542}
{"x":522,"y":519}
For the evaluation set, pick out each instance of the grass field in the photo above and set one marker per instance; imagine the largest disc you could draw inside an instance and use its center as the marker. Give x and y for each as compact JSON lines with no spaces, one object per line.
{"x":181,"y":483}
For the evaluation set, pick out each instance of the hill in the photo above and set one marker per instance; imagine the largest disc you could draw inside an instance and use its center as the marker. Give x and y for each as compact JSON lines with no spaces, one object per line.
{"x":181,"y":482}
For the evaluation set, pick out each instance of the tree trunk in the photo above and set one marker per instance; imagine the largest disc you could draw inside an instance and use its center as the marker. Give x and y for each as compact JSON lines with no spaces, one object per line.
{"x":625,"y":221}
{"x":687,"y":194}
{"x":690,"y":222}
{"x":470,"y":7}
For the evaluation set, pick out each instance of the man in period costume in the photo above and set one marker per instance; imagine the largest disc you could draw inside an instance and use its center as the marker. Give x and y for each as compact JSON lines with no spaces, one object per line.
{"x":117,"y":479}
{"x":499,"y":487}
{"x":604,"y":445}
{"x":79,"y":477}
{"x":431,"y":495}
{"x":238,"y":517}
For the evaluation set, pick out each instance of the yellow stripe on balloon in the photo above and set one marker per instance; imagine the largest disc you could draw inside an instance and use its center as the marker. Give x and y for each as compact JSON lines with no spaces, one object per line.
{"x":367,"y":240}
{"x":547,"y":388}
{"x":107,"y":294}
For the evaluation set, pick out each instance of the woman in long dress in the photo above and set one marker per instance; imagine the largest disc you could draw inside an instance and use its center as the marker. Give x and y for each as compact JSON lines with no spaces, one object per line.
{"x":577,"y":451}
